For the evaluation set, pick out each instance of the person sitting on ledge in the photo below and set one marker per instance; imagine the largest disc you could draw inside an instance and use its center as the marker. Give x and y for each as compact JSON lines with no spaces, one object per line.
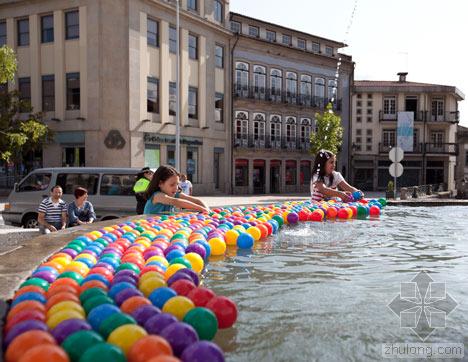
{"x":80,"y":211}
{"x":52,"y":212}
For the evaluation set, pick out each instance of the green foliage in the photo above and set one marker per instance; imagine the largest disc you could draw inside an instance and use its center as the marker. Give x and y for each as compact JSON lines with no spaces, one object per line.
{"x":7,"y":64}
{"x":19,"y":134}
{"x":329,"y":134}
{"x":390,"y":186}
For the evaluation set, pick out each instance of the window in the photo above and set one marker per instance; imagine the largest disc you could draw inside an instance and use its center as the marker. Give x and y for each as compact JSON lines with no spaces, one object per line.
{"x":192,"y":5}
{"x":152,"y":156}
{"x":359,"y":96}
{"x":389,"y":138}
{"x":305,"y":172}
{"x":271,"y":36}
{"x":359,"y":111}
{"x":437,"y":112}
{"x":219,"y":107}
{"x":276,"y":80}
{"x":275,"y":131}
{"x":369,"y":112}
{"x":369,"y":119}
{"x":3,"y":33}
{"x":253,"y":31}
{"x":369,"y":103}
{"x":152,"y":32}
{"x":219,"y":56}
{"x":291,"y":172}
{"x":242,"y":127}
{"x":359,"y":104}
{"x":359,"y":139}
{"x":192,"y":164}
{"x":70,"y":181}
{"x":320,"y":92}
{"x":170,"y":155}
{"x":242,"y":79}
{"x":172,"y":99}
{"x":332,"y":90}
{"x":415,"y":139}
{"x":329,"y":51}
{"x":47,"y":29}
{"x":437,"y":138}
{"x":358,"y":132}
{"x":306,"y":89}
{"x":305,"y":130}
{"x":35,"y":182}
{"x":117,"y":185}
{"x":301,"y":43}
{"x":389,"y":111}
{"x":242,"y":172}
{"x":73,"y":91}
{"x":152,"y":98}
{"x":286,"y":39}
{"x":48,"y":93}
{"x":369,"y":95}
{"x":218,"y":11}
{"x":316,"y":47}
{"x":172,"y":39}
{"x":291,"y":86}
{"x":259,"y":82}
{"x":23,"y":32}
{"x":235,"y":27}
{"x":259,"y":130}
{"x":24,"y":88}
{"x":72,"y":25}
{"x":193,"y":103}
{"x":193,"y":46}
{"x":291,"y":132}
{"x":368,"y":147}
{"x":73,"y":156}
{"x":369,"y":139}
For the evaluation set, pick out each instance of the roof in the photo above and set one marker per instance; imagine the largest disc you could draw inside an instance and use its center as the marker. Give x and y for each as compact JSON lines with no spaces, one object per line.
{"x":389,"y":86}
{"x":337,"y":43}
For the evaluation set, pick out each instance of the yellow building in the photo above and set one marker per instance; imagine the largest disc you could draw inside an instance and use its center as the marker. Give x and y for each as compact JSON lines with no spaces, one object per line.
{"x":103,"y":73}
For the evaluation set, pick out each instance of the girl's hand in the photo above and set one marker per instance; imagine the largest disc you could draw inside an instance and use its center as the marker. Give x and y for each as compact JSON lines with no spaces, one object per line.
{"x":347,"y":196}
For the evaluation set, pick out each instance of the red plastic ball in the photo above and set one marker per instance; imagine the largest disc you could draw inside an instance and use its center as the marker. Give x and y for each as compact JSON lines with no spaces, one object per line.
{"x":201,"y":296}
{"x":183,"y":287}
{"x":374,"y":211}
{"x":225,"y":310}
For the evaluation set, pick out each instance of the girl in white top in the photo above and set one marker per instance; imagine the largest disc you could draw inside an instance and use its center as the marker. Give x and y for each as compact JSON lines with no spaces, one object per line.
{"x":326,"y":182}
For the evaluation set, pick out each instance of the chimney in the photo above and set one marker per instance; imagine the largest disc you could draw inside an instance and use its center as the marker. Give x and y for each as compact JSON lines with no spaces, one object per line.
{"x":402,"y":77}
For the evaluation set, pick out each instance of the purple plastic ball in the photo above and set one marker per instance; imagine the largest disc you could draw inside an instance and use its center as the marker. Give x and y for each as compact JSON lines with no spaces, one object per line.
{"x":158,"y":322}
{"x":127,"y":272}
{"x":293,"y":218}
{"x":191,"y":274}
{"x":180,"y":336}
{"x":173,"y":247}
{"x":68,"y":327}
{"x":22,"y":327}
{"x":73,"y":253}
{"x":125,"y":294}
{"x":46,"y":275}
{"x":196,"y":248}
{"x":144,"y":313}
{"x":203,"y":351}
{"x":179,"y":276}
{"x":123,"y":278}
{"x":153,"y":252}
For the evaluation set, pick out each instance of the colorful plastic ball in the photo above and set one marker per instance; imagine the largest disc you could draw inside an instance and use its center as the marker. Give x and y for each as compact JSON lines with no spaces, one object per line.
{"x":144,"y":312}
{"x":254,"y":232}
{"x":101,"y":313}
{"x":245,"y":241}
{"x":150,"y":284}
{"x":71,"y":275}
{"x":203,"y":321}
{"x":178,"y":306}
{"x":150,"y":275}
{"x":55,"y":319}
{"x":183,"y":286}
{"x":28,"y":305}
{"x":172,"y":269}
{"x":218,"y":246}
{"x":173,"y":254}
{"x":203,"y":351}
{"x":22,"y":327}
{"x":65,"y":305}
{"x":45,"y":353}
{"x":126,"y":336}
{"x":231,"y":237}
{"x":46,"y":275}
{"x":181,"y":260}
{"x":68,"y":327}
{"x":196,"y":248}
{"x":225,"y":311}
{"x":292,"y":218}
{"x":279,"y":219}
{"x":91,"y":293}
{"x":158,"y":322}
{"x":29,"y":296}
{"x":113,"y":322}
{"x":161,"y":295}
{"x":25,"y":341}
{"x":206,"y":246}
{"x":196,"y":261}
{"x":374,"y":210}
{"x":36,"y":281}
{"x":180,"y":336}
{"x":194,"y":276}
{"x":201,"y":296}
{"x":78,"y":343}
{"x":149,"y":347}
{"x":332,"y":212}
{"x":28,"y":289}
{"x":132,"y":303}
{"x":94,"y":302}
{"x":22,"y":316}
{"x":103,"y":352}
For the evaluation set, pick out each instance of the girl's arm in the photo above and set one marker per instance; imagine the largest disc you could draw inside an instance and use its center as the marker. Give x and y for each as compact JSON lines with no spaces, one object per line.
{"x":183,"y":202}
{"x":343,"y":185}
{"x":327,"y":191}
{"x":194,"y":200}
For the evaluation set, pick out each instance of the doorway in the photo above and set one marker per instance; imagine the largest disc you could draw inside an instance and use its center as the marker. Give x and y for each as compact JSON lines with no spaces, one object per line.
{"x":259,"y":176}
{"x":275,"y":176}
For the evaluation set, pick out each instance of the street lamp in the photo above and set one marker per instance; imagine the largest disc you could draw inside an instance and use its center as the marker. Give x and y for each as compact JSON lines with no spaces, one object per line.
{"x":177,"y":135}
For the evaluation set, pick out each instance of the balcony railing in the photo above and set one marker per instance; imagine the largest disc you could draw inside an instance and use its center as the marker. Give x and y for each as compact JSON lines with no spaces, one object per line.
{"x":276,"y":143}
{"x":419,"y":148}
{"x":423,"y":116}
{"x":276,"y":96}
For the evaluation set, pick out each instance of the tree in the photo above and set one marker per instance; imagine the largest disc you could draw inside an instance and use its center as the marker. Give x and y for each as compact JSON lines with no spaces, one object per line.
{"x":329,"y":133}
{"x":19,"y":134}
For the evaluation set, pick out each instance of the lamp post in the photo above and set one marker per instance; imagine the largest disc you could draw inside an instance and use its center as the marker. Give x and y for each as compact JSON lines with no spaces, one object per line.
{"x":177,"y":135}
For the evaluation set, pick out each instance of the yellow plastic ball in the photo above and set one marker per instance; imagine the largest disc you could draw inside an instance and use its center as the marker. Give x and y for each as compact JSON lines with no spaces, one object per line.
{"x":240,"y":228}
{"x":150,"y":275}
{"x":150,"y":284}
{"x":255,"y":232}
{"x":178,"y":306}
{"x":61,"y":316}
{"x":158,"y":258}
{"x":218,"y":246}
{"x":126,"y":336}
{"x":172,"y":269}
{"x":231,"y":237}
{"x":196,"y":261}
{"x":65,"y":305}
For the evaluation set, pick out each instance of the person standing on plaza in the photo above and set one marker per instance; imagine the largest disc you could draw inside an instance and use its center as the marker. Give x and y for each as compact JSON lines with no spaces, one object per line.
{"x":142,"y":181}
{"x":185,"y":185}
{"x":52,"y":212}
{"x":80,"y":211}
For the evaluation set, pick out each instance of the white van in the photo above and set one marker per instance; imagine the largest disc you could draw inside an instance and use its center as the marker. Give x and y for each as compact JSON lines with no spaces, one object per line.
{"x":110,"y":191}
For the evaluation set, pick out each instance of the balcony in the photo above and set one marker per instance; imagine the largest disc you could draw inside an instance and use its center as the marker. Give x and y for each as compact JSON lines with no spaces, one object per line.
{"x":285,"y":97}
{"x":442,"y":148}
{"x":417,"y":148}
{"x":272,"y":143}
{"x":451,"y":117}
{"x":419,"y":116}
{"x":423,"y":116}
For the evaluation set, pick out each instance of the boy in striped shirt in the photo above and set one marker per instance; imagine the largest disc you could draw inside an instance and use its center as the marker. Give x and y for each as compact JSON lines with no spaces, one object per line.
{"x":52,"y":212}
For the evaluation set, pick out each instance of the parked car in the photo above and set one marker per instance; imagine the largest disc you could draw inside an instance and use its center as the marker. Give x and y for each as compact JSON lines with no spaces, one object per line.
{"x":110,"y":191}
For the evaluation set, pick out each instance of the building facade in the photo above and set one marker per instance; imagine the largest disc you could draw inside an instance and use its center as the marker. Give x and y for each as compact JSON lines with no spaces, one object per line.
{"x":374,"y":132}
{"x":462,"y":160}
{"x":281,"y":78}
{"x":104,"y":71}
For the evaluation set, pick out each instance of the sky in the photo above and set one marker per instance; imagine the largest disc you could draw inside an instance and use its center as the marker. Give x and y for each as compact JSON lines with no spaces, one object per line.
{"x":422,"y":37}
